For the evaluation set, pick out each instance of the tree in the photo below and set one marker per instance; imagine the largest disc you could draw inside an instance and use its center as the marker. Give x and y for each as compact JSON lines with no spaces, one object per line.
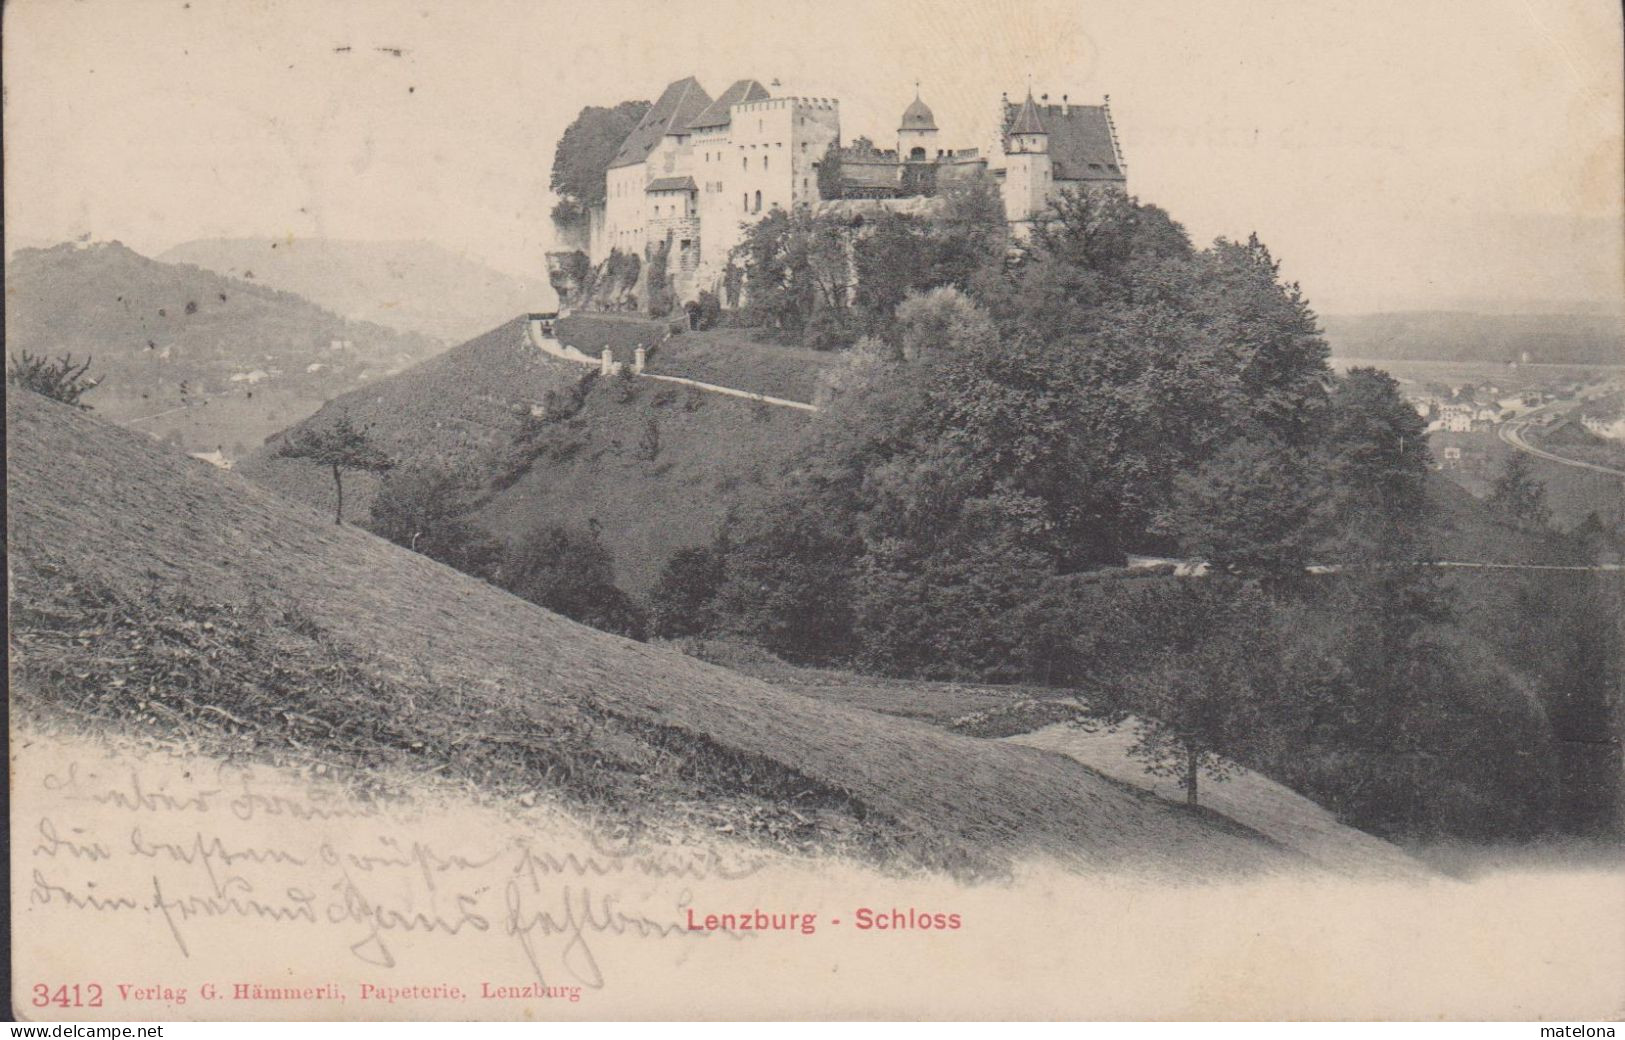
{"x":1374,"y":454}
{"x":341,"y":446}
{"x":1189,"y":667}
{"x":60,"y":380}
{"x":709,"y":309}
{"x":1270,"y":337}
{"x":682,"y":602}
{"x":1406,"y":725}
{"x":657,"y":286}
{"x":583,"y":154}
{"x":1517,"y":497}
{"x":797,"y":273}
{"x":829,"y":173}
{"x":568,"y":570}
{"x":422,"y":508}
{"x":1249,"y":510}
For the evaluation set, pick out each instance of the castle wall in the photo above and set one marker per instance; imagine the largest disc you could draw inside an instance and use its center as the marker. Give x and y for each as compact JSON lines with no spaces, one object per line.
{"x":713,"y":158}
{"x":817,"y":125}
{"x":624,"y":227}
{"x":597,"y":235}
{"x":766,"y":159}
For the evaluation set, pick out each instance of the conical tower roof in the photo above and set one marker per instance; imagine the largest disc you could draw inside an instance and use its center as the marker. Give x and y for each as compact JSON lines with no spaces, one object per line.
{"x":1027,"y":121}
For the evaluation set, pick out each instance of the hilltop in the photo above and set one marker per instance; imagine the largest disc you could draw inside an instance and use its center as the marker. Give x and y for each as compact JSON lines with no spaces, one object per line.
{"x":188,"y":354}
{"x":414,"y":286}
{"x":276,"y":632}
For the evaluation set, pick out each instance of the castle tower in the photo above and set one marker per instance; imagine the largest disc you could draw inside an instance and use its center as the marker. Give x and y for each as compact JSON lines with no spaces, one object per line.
{"x":917,"y":131}
{"x":1028,"y":167}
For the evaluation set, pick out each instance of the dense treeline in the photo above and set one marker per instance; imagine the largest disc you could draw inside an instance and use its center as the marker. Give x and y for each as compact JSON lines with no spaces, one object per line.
{"x":1006,"y":422}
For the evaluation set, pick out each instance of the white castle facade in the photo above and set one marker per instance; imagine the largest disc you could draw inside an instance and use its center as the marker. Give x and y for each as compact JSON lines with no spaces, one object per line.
{"x":697,"y":170}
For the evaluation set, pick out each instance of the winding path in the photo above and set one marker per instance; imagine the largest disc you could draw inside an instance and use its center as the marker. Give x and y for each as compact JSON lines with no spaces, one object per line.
{"x":1512,"y":433}
{"x":551,"y":346}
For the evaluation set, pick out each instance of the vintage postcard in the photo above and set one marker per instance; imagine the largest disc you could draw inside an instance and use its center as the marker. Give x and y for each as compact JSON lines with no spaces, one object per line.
{"x":921,"y":509}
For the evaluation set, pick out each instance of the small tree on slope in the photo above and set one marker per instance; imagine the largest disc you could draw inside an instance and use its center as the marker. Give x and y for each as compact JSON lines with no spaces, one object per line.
{"x":340,"y":447}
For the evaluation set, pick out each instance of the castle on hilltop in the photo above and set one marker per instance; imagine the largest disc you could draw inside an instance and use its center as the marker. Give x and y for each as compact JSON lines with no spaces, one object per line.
{"x":697,"y":170}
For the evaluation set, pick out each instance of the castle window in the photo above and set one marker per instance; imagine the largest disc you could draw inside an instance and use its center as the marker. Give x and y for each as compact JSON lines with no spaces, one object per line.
{"x":745,"y":205}
{"x":764,"y":162}
{"x":744,"y":162}
{"x":758,"y":202}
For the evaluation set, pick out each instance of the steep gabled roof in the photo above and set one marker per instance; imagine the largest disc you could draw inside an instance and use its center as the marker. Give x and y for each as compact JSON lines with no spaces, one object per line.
{"x":1080,"y":140}
{"x":679,"y":103}
{"x":716,"y":114}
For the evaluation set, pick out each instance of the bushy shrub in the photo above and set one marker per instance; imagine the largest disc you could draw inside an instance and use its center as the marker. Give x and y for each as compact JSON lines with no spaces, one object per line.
{"x":570,"y":571}
{"x":59,"y":379}
{"x":423,"y":508}
{"x":657,"y":285}
{"x":683,"y":601}
{"x":710,"y":309}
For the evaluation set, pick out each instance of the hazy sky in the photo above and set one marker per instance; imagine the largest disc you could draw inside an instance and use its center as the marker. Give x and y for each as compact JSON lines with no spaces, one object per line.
{"x":1392,"y":154}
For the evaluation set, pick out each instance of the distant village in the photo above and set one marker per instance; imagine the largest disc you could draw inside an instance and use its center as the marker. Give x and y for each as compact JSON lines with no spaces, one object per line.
{"x":1566,"y":409}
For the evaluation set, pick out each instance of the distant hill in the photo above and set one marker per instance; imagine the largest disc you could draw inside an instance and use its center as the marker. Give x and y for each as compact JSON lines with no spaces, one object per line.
{"x":1573,"y":339}
{"x":414,"y":286}
{"x":155,"y":593}
{"x":189,"y":354}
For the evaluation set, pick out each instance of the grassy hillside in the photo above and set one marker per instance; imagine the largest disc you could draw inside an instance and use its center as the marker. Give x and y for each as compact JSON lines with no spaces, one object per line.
{"x":1466,"y":531}
{"x":1026,"y":713}
{"x":654,"y":466}
{"x":465,"y":408}
{"x":1460,"y":336}
{"x":168,"y":340}
{"x":1571,"y":491}
{"x":1248,"y":797}
{"x":413,"y":286}
{"x":596,"y":466}
{"x":724,"y":356}
{"x":456,"y":410}
{"x":152,"y":590}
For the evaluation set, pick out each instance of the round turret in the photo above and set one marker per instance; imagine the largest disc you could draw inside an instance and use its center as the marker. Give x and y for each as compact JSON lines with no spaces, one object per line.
{"x":917,"y":134}
{"x":917,"y":116}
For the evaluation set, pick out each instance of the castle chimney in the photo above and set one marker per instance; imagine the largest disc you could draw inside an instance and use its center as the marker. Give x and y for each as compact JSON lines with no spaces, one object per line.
{"x":1065,"y":106}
